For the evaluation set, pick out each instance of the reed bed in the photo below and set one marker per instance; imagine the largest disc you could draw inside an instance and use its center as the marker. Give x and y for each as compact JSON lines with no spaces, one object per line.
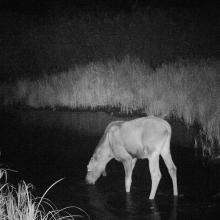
{"x":185,"y":89}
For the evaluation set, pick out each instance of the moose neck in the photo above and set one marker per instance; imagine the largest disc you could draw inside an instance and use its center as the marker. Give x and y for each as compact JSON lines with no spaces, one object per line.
{"x":105,"y":155}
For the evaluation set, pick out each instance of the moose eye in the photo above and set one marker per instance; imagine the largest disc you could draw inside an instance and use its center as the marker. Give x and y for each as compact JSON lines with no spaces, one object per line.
{"x":97,"y":156}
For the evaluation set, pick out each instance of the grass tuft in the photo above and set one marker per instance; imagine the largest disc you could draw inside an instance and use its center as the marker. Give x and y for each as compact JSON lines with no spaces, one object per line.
{"x":20,"y":204}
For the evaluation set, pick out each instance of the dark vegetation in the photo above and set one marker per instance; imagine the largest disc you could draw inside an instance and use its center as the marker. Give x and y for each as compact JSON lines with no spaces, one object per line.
{"x":33,"y":44}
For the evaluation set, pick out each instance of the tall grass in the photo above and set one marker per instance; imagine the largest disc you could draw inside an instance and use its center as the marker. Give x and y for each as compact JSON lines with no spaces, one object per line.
{"x":20,"y":204}
{"x":186,"y":89}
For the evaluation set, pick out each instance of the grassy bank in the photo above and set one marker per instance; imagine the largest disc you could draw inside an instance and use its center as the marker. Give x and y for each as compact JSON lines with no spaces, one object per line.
{"x":188,"y":90}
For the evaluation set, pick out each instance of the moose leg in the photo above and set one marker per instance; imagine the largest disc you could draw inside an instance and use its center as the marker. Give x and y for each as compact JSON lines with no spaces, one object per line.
{"x":155,"y":174}
{"x":172,"y":170}
{"x":133,"y":163}
{"x":128,"y":166}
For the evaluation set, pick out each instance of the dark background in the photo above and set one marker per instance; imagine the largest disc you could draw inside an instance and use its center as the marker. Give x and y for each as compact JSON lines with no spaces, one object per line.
{"x":45,"y":37}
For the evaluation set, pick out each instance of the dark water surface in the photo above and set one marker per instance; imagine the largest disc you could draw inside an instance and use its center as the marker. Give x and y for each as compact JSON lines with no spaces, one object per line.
{"x":45,"y":146}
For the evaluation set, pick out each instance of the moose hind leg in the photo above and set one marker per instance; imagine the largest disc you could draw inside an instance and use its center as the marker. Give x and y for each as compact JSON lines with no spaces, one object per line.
{"x":172,"y":170}
{"x":155,"y":174}
{"x":128,"y":166}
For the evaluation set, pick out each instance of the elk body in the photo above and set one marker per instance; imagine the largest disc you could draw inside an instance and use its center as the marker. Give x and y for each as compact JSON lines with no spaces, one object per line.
{"x":127,"y":141}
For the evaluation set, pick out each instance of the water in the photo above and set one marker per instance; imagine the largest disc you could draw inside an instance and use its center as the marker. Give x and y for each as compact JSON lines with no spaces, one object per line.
{"x":45,"y":146}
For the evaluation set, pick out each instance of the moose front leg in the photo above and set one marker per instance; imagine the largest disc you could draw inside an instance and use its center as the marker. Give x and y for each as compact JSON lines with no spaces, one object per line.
{"x":128,"y":166}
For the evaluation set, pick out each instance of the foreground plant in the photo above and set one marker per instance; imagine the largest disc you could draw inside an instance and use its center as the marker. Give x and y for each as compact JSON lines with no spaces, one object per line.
{"x":20,"y":204}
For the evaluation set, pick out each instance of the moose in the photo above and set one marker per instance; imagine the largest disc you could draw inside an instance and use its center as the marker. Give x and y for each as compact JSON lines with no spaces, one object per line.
{"x":126,"y":141}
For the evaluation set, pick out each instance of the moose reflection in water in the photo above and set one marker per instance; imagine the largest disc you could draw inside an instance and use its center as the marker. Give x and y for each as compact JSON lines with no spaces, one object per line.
{"x":127,"y":141}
